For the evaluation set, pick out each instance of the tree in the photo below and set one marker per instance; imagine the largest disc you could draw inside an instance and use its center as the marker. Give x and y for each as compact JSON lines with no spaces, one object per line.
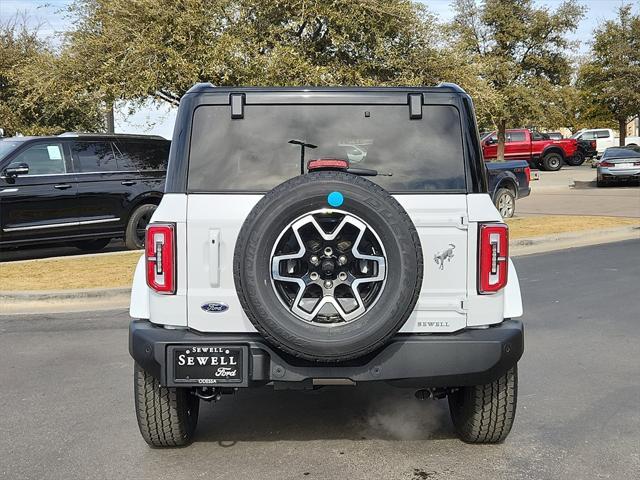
{"x":131,"y":50}
{"x":518,"y":54}
{"x":610,"y":81}
{"x":34,"y":98}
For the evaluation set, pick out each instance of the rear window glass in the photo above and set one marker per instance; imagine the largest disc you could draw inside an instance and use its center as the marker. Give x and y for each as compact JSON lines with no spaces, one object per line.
{"x":150,"y":155}
{"x":629,"y":152}
{"x":254,"y":153}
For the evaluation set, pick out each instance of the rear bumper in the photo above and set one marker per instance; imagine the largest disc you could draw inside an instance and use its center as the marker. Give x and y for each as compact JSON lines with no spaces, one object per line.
{"x":605,"y":173}
{"x":468,"y":357}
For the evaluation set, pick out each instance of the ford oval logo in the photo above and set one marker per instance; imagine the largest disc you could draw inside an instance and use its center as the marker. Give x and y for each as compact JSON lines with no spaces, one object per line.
{"x":215,"y":307}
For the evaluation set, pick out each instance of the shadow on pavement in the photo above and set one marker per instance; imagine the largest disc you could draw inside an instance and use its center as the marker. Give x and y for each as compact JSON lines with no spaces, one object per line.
{"x":579,"y":185}
{"x":366,"y":412}
{"x":53,"y":250}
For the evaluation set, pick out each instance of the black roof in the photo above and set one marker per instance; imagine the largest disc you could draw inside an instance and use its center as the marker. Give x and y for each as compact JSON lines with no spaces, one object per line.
{"x":440,"y":88}
{"x":86,"y":136}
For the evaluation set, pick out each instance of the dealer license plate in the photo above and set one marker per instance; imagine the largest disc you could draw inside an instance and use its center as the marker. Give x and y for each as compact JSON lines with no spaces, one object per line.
{"x":208,"y":364}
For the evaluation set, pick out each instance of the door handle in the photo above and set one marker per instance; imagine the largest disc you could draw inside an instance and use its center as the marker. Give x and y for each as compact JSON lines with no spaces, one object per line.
{"x":62,"y":186}
{"x":128,"y":183}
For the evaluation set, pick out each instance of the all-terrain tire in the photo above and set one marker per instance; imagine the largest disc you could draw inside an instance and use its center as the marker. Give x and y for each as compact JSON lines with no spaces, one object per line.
{"x":298,"y":197}
{"x":485,"y":413}
{"x":552,"y":162}
{"x":134,"y":236}
{"x":167,"y":417}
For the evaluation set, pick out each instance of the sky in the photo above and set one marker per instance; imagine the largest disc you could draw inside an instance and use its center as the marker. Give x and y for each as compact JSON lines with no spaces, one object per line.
{"x":159,"y":119}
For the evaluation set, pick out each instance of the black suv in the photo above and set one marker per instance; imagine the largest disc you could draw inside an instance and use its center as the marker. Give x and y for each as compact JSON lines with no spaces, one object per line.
{"x":83,"y":188}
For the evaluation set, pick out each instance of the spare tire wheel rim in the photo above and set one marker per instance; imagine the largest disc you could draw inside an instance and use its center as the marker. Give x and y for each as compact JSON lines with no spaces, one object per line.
{"x":328,"y":267}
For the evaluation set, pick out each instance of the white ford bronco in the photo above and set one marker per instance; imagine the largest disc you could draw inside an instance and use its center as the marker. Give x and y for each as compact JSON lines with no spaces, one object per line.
{"x":325,"y":236}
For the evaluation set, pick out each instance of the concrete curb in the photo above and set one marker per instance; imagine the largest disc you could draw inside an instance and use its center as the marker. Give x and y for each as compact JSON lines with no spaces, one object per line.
{"x":562,"y":241}
{"x":105,"y":298}
{"x":61,"y":295}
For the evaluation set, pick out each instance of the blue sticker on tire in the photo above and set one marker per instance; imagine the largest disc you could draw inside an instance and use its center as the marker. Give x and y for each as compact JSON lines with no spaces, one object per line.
{"x":335,"y":199}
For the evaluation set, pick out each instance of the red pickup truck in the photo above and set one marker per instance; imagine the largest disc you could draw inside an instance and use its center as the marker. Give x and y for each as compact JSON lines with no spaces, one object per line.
{"x":536,"y":148}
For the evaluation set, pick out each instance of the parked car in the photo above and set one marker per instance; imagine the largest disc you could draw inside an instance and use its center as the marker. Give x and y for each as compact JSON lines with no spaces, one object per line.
{"x":536,"y":148}
{"x":84,"y":189}
{"x":619,"y":164}
{"x":508,"y":181}
{"x":605,"y":138}
{"x":274,"y":260}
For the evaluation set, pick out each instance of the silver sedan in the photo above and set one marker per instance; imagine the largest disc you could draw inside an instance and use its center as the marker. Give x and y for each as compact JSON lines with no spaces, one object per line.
{"x":619,"y":164}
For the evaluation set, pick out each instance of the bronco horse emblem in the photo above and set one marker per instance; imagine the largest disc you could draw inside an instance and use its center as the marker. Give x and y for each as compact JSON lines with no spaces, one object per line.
{"x":447,"y":255}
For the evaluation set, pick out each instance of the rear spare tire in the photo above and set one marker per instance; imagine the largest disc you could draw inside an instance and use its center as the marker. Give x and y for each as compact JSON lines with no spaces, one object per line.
{"x":328,"y":266}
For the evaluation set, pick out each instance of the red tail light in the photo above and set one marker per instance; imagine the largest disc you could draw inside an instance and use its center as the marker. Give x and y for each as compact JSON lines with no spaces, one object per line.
{"x":493,"y":257}
{"x":527,"y":173}
{"x":593,"y":144}
{"x":160,"y":251}
{"x":605,"y":164}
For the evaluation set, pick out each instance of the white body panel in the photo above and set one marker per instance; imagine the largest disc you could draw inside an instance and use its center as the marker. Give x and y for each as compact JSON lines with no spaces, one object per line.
{"x":210,"y":268}
{"x":139,"y":303}
{"x":208,"y":225}
{"x":604,"y":142}
{"x":172,"y":309}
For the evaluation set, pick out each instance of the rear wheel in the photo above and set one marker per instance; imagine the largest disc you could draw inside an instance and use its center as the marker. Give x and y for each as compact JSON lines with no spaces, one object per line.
{"x":92,"y":245}
{"x":552,"y":162}
{"x":137,"y":226}
{"x":485,"y":413}
{"x":505,"y":202}
{"x":576,"y":160}
{"x":167,"y":417}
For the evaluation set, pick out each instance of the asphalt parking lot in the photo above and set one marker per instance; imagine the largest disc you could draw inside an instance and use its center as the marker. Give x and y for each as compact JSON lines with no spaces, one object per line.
{"x":68,"y":410}
{"x":573,"y":191}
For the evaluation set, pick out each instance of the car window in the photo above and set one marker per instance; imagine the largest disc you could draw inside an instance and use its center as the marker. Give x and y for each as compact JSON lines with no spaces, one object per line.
{"x":43,"y":159}
{"x":610,"y":153}
{"x":516,"y":137}
{"x":257,"y":152}
{"x":6,"y":147}
{"x":142,"y":155}
{"x":587,"y":136}
{"x":602,"y":133}
{"x":94,"y":157}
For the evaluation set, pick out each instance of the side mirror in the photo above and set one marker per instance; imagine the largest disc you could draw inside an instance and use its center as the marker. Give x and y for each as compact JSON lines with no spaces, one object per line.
{"x":490,"y":141}
{"x":16,"y":169}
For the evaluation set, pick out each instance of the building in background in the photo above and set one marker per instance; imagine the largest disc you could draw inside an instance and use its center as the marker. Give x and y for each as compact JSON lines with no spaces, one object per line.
{"x":633,"y":127}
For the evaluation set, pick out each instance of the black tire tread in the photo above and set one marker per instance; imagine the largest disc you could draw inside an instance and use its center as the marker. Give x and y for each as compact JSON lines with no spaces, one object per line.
{"x":129,"y":234}
{"x":545,"y":162}
{"x":485,"y":413}
{"x":162,"y":412}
